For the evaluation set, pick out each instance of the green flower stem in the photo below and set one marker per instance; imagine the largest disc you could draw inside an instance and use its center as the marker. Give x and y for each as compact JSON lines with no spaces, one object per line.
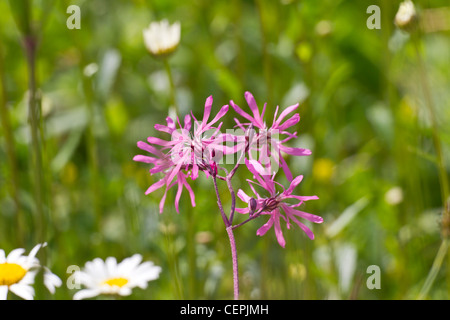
{"x":92,"y":150}
{"x":437,"y":264}
{"x":38,"y":169}
{"x":11,"y":153}
{"x":265,"y":56}
{"x":173,"y":101}
{"x":444,"y":184}
{"x":34,"y":114}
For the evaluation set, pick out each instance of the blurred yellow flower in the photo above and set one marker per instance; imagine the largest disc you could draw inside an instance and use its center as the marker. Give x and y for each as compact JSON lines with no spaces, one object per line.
{"x":323,"y":169}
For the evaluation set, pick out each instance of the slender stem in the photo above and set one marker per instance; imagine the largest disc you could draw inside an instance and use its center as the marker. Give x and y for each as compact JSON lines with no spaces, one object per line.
{"x":10,"y":150}
{"x":172,"y":86}
{"x":437,"y":263}
{"x":265,"y":55}
{"x":235,"y":262}
{"x":232,"y":242}
{"x":34,"y":119}
{"x":233,"y":195}
{"x":254,"y":216}
{"x":219,"y":203}
{"x":92,"y":150}
{"x":444,"y":184}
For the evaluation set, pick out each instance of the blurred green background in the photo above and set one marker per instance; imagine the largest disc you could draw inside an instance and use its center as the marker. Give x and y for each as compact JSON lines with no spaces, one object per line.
{"x":363,"y":114}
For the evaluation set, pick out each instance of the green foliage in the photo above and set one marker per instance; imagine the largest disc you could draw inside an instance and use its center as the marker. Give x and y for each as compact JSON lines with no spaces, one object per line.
{"x":363,"y":114}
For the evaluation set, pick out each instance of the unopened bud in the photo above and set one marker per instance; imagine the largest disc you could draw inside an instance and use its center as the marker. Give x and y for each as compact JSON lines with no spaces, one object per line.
{"x":252,"y":205}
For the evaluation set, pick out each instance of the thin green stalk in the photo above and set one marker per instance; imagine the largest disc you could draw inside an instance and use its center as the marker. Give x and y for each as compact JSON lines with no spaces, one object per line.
{"x":11,"y":153}
{"x":173,"y":101}
{"x":92,"y":150}
{"x":191,"y":251}
{"x":443,"y":180}
{"x":38,"y":169}
{"x":266,"y":57}
{"x":444,"y":184}
{"x":172,"y":258}
{"x":34,"y":114}
{"x":437,"y":264}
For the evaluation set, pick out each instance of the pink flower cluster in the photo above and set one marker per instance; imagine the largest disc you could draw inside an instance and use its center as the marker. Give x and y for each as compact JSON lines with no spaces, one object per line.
{"x":200,"y":147}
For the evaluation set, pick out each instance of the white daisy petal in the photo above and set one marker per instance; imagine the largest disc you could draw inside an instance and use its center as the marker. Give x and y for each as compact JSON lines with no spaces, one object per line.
{"x":24,"y":291}
{"x":14,"y":255}
{"x":111,"y":266}
{"x":2,"y":256}
{"x":35,"y":250}
{"x":51,"y":281}
{"x":3,"y":292}
{"x":161,"y":38}
{"x":129,"y":264}
{"x":85,"y":294}
{"x":28,"y":279}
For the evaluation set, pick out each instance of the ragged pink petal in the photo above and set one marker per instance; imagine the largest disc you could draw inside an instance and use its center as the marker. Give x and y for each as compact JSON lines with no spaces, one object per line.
{"x":145,"y":159}
{"x":294,"y":183}
{"x":254,"y":107}
{"x":266,"y":227}
{"x":295,"y":151}
{"x":290,"y":122}
{"x":155,"y":186}
{"x":284,"y":113}
{"x":207,"y":112}
{"x":279,"y":232}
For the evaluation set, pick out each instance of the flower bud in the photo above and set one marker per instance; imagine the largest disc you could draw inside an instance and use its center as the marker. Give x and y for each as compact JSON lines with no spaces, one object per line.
{"x":252,"y":205}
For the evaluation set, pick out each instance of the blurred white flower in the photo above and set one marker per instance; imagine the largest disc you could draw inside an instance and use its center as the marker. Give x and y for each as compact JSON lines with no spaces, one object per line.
{"x":406,"y":15}
{"x":394,"y":196}
{"x":161,"y":38}
{"x":110,"y":277}
{"x":17,"y":273}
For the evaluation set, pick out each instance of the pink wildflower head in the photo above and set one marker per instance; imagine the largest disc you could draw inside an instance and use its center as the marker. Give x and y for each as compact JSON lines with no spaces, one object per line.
{"x":277,"y":205}
{"x":267,"y":141}
{"x":185,"y":154}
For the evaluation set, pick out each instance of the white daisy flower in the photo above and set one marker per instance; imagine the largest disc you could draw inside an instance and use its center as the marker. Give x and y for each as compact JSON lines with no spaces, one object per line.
{"x":110,"y":277}
{"x":406,"y":15}
{"x":161,"y":38}
{"x":17,"y":273}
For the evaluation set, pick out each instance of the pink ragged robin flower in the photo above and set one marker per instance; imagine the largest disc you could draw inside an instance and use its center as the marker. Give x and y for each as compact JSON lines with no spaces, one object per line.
{"x":184,"y":155}
{"x":277,"y":205}
{"x":267,"y":140}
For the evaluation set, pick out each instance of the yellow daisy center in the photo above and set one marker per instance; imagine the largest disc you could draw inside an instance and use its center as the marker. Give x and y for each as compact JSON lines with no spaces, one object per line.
{"x":11,"y":273}
{"x":120,"y":282}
